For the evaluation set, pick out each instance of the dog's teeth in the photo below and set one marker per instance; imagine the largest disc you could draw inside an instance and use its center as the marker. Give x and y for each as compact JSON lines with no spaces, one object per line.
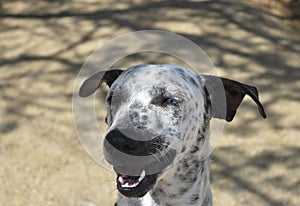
{"x":143,"y":175}
{"x":130,"y":185}
{"x":120,"y":179}
{"x":126,"y":184}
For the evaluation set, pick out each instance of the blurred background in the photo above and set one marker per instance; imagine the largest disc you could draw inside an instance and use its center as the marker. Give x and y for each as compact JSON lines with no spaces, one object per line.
{"x":43,"y":44}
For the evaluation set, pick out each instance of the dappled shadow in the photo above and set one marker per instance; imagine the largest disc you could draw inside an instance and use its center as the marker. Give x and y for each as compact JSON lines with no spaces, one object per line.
{"x":44,"y":48}
{"x":245,"y":32}
{"x":242,"y":169}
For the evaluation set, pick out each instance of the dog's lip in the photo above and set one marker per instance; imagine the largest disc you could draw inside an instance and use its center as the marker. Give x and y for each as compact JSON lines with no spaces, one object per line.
{"x":133,"y":166}
{"x":135,"y":186}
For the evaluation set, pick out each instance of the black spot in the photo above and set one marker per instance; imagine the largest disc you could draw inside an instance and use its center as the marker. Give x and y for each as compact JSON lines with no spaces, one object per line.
{"x":160,"y":191}
{"x":173,"y":195}
{"x":133,"y":114}
{"x":182,"y":73}
{"x":183,"y":190}
{"x":185,"y":164}
{"x":194,"y":149}
{"x":196,"y":163}
{"x":194,"y":198}
{"x":183,"y":149}
{"x":207,"y":105}
{"x":194,"y":82}
{"x":204,"y":127}
{"x":194,"y":179}
{"x":200,"y":137}
{"x":183,"y":177}
{"x":144,"y":117}
{"x":178,"y":69}
{"x":176,"y":113}
{"x":161,"y":73}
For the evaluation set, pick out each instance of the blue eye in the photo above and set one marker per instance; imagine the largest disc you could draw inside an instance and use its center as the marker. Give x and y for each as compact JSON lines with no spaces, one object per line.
{"x":170,"y":101}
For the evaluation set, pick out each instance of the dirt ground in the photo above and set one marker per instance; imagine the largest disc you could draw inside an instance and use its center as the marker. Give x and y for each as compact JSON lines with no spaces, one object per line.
{"x":43,"y":45}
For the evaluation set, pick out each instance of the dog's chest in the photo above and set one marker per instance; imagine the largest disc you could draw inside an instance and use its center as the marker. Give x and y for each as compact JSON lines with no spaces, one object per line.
{"x":147,"y":200}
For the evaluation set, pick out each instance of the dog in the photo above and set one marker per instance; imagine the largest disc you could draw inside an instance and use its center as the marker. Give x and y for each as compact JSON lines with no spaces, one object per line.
{"x":158,"y":120}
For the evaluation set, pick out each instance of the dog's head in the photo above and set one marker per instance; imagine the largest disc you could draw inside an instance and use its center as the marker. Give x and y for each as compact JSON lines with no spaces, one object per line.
{"x":152,"y":110}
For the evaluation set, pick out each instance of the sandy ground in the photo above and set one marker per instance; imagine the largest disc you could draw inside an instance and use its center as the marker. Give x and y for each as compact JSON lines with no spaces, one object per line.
{"x":43,"y":45}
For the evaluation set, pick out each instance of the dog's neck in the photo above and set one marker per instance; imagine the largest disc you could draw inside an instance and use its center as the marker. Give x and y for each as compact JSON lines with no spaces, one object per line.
{"x":186,"y":183}
{"x":183,"y":184}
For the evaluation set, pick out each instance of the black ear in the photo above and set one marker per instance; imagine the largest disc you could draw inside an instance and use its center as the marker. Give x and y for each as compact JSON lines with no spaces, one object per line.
{"x":90,"y":85}
{"x":234,"y":94}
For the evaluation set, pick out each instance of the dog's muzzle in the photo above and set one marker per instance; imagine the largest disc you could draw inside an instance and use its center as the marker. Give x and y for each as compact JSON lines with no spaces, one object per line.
{"x":136,"y":162}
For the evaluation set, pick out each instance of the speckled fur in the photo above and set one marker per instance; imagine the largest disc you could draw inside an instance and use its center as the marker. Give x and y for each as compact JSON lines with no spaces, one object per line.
{"x":158,"y":120}
{"x":187,"y":182}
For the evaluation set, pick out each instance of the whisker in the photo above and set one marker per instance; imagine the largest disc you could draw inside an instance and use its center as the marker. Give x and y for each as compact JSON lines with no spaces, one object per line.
{"x":165,"y":158}
{"x":154,"y":155}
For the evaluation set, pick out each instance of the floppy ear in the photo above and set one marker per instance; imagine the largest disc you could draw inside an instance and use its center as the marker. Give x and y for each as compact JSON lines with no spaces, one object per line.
{"x":234,"y":94}
{"x":90,"y":85}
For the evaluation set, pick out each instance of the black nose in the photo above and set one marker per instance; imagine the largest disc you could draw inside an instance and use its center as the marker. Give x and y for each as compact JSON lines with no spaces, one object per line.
{"x":127,"y":145}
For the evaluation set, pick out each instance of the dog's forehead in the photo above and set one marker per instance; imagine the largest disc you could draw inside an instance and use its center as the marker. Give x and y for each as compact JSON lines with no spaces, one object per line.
{"x":172,"y":77}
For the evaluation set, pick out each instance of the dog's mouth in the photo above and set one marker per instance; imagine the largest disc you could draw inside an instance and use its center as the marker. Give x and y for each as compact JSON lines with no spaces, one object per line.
{"x":135,"y":186}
